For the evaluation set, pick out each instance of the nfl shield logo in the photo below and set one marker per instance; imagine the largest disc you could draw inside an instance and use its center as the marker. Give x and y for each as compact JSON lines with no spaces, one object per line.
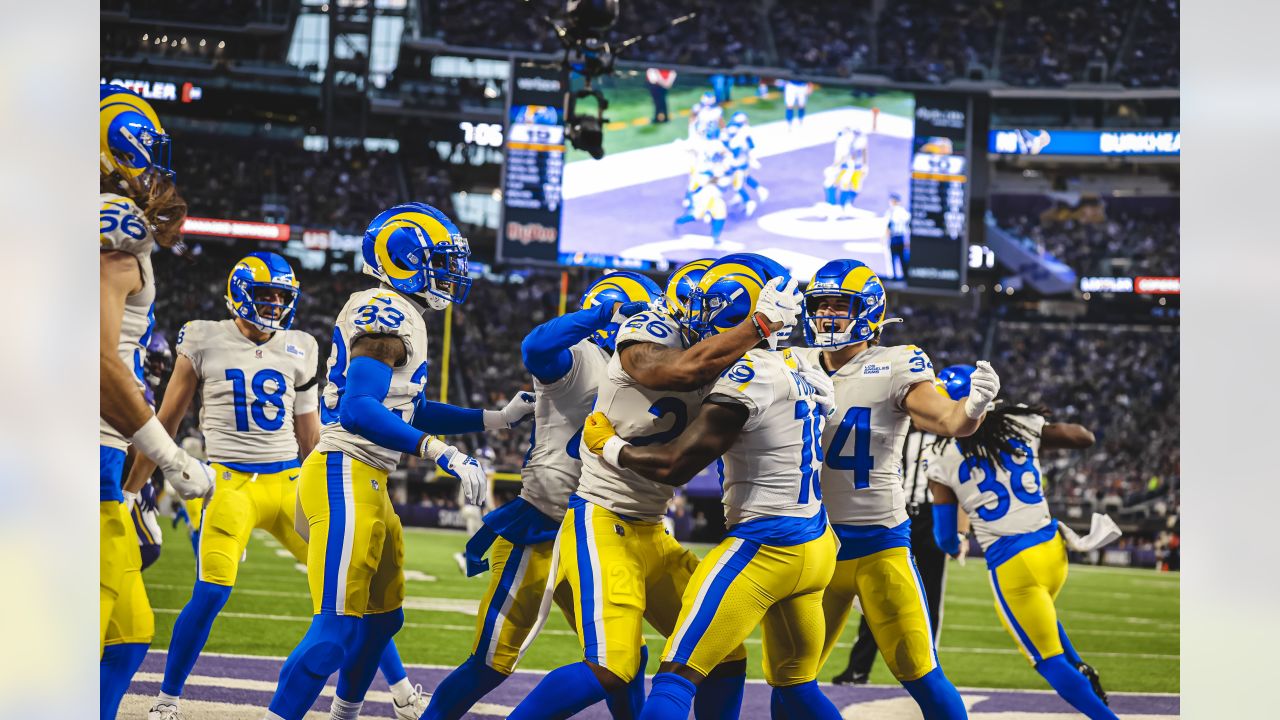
{"x":374,"y":482}
{"x":257,"y":354}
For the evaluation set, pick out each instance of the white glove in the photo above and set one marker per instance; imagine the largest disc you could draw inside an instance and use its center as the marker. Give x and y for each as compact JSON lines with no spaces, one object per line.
{"x":518,"y":408}
{"x":780,"y":303}
{"x":824,"y":387}
{"x":189,"y":477}
{"x":984,"y":385}
{"x":468,"y":471}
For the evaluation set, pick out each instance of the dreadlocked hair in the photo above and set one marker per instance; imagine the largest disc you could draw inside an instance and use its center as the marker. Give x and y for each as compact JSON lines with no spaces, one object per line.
{"x":997,"y":432}
{"x":157,"y":197}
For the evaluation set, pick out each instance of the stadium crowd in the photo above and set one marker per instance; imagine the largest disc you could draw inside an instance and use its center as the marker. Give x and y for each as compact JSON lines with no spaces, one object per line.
{"x":1084,"y":374}
{"x":1131,"y":238}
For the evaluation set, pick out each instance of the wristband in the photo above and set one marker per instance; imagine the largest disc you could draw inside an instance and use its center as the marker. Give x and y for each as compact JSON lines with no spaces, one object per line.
{"x":432,"y":448}
{"x":762,"y":326}
{"x":612,"y":447}
{"x":972,"y":410}
{"x":493,"y":420}
{"x":153,"y":441}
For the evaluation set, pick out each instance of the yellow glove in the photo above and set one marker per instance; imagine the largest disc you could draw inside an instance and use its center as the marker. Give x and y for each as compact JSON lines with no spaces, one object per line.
{"x":597,"y":431}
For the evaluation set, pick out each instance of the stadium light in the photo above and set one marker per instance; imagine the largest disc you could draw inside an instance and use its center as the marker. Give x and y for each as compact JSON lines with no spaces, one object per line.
{"x":201,"y":42}
{"x":164,"y":39}
{"x":222,"y":44}
{"x":146,"y":36}
{"x":998,"y":287}
{"x":1086,"y":296}
{"x":184,"y":41}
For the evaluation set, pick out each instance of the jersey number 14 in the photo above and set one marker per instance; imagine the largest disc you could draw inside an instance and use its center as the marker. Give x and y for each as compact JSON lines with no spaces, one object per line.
{"x":856,"y":422}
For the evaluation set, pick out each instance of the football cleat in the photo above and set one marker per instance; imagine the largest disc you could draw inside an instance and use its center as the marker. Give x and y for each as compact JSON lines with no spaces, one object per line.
{"x":850,"y":678}
{"x":414,"y":706}
{"x":763,"y":192}
{"x":165,"y":711}
{"x":1088,"y":671}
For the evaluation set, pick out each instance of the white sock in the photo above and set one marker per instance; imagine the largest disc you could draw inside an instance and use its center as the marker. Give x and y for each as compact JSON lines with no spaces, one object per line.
{"x":162,"y":698}
{"x":343,"y":710}
{"x":401,"y":691}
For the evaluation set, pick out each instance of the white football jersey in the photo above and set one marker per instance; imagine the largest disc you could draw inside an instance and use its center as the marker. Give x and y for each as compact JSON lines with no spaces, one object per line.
{"x":862,"y":466}
{"x":377,"y":311}
{"x":122,"y":227}
{"x":773,"y":468}
{"x":844,"y":144}
{"x":553,"y":464}
{"x":1002,"y":498}
{"x":641,"y":416}
{"x":250,"y":393}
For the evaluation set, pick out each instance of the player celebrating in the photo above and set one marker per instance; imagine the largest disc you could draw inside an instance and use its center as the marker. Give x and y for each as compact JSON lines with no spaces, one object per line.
{"x":138,"y":209}
{"x":654,"y":382}
{"x":704,"y":114}
{"x":742,"y":149}
{"x":567,"y":357}
{"x":881,"y":391}
{"x":994,"y":475}
{"x":763,"y":415}
{"x":377,"y":372}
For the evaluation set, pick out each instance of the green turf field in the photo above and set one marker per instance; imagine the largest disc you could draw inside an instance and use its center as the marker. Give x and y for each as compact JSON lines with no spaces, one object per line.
{"x":1124,"y":622}
{"x":631,"y":108}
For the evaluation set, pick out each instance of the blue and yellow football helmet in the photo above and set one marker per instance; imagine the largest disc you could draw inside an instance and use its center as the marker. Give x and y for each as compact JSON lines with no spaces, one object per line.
{"x":955,"y":380}
{"x":739,"y":118}
{"x":727,"y":294}
{"x":681,"y":284}
{"x":417,"y":250}
{"x":860,"y":285}
{"x":130,"y":137}
{"x":622,"y":286}
{"x":248,"y":291}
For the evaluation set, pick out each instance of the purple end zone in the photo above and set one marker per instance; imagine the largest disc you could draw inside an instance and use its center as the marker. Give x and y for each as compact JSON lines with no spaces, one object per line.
{"x":755,"y":702}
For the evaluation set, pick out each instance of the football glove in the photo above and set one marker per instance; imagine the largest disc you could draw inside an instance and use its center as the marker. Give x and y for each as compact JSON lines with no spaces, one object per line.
{"x":146,"y":522}
{"x":468,"y":471}
{"x":824,"y":388}
{"x":189,"y":477}
{"x":779,"y":303}
{"x":984,"y":385}
{"x":517,"y":409}
{"x":596,"y":432}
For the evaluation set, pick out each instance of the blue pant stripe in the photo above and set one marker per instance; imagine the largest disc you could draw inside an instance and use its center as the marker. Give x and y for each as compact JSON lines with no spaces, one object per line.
{"x":586,"y":580}
{"x":924,"y":606}
{"x":499,"y":598}
{"x":1026,"y":640}
{"x":337,"y":532}
{"x":724,"y":577}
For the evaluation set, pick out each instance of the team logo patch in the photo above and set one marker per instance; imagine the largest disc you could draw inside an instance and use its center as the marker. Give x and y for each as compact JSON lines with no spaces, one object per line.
{"x":226,"y":474}
{"x":620,"y":530}
{"x":374,"y":483}
{"x":876,"y":369}
{"x":294,"y":350}
{"x":258,"y":353}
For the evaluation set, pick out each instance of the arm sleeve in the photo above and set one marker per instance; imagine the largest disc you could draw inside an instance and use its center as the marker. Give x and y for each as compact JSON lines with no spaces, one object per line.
{"x":436,"y":418}
{"x":361,"y":410}
{"x":546,"y":350}
{"x":945,"y":534}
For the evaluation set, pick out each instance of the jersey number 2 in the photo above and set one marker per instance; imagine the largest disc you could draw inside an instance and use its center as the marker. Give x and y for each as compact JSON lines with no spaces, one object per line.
{"x":856,"y":421}
{"x":262,"y":398}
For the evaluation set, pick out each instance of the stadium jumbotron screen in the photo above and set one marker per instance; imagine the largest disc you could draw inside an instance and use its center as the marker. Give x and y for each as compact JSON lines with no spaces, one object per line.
{"x":754,"y":174}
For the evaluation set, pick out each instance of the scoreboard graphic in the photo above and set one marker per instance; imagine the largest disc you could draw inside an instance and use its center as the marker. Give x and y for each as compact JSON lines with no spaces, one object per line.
{"x":530,"y":228}
{"x":939,"y":192}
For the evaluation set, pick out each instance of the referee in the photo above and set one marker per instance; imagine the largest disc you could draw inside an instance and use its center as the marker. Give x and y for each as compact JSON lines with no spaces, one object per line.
{"x":930,"y":561}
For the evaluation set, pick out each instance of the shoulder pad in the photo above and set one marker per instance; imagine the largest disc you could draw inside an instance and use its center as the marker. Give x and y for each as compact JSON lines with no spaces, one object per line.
{"x":122,"y":226}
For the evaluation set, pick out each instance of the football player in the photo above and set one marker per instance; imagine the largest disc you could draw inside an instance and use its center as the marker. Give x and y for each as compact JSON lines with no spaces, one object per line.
{"x":994,"y":476}
{"x":765,"y":416}
{"x":138,"y":209}
{"x":567,"y":357}
{"x":704,"y":114}
{"x":742,"y":148}
{"x":795,"y":94}
{"x":881,"y":391}
{"x":653,"y":384}
{"x":373,"y":411}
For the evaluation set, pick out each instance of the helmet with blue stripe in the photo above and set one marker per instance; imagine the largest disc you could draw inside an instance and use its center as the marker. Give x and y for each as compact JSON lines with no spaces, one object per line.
{"x":417,"y":250}
{"x":131,"y":140}
{"x":738,"y":118}
{"x":622,"y":286}
{"x":860,"y":321}
{"x":726,"y":296}
{"x":681,"y":285}
{"x":708,"y":98}
{"x":263,"y":291}
{"x":955,"y":380}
